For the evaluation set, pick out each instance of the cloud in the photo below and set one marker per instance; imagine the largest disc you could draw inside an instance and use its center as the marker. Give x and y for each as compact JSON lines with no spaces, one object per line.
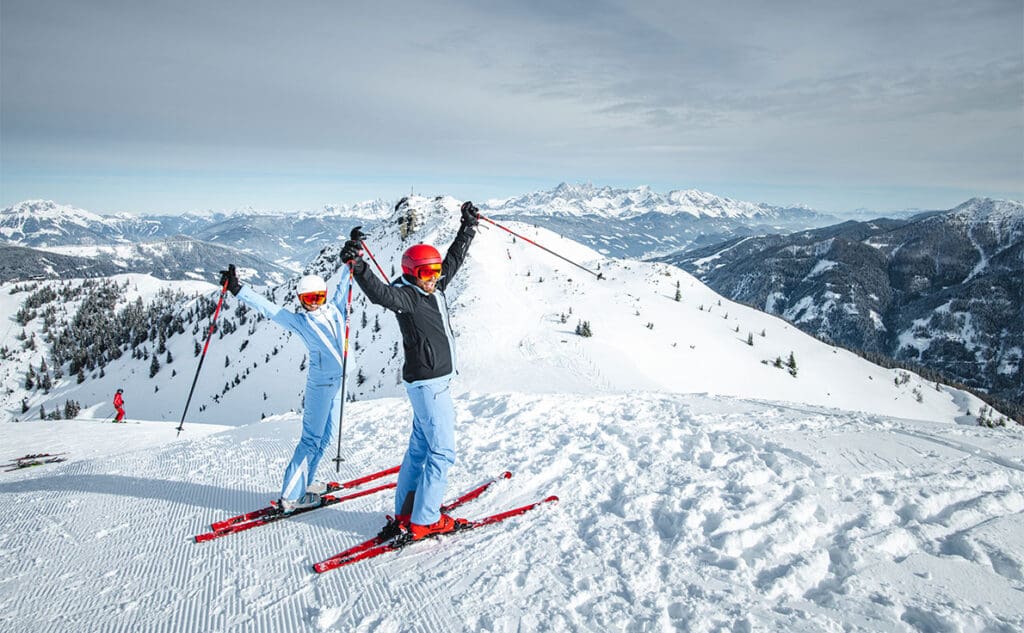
{"x":522,"y":89}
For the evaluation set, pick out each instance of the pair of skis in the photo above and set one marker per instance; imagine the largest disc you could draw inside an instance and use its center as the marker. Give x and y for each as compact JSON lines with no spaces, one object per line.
{"x":387,"y":540}
{"x":272,"y":513}
{"x":33,"y":459}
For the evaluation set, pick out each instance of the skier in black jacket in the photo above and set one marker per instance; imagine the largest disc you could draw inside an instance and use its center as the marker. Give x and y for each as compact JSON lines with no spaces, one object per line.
{"x":417,"y":298}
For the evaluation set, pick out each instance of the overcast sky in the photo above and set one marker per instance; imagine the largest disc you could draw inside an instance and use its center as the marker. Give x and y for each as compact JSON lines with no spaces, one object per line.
{"x":142,"y":106}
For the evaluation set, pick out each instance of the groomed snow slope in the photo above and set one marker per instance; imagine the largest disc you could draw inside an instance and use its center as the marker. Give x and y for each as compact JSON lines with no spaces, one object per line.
{"x":677,"y":513}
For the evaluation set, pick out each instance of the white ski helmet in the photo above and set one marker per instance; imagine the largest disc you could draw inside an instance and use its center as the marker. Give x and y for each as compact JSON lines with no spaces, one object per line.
{"x":312,"y":292}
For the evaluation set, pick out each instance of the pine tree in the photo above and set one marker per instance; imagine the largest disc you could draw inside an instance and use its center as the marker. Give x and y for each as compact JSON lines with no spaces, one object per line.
{"x":24,"y":405}
{"x":42,"y":412}
{"x":154,"y":366}
{"x":80,"y":377}
{"x":197,"y":350}
{"x":791,"y":364}
{"x":169,"y":359}
{"x":750,"y":339}
{"x":71,"y":409}
{"x":30,"y":378}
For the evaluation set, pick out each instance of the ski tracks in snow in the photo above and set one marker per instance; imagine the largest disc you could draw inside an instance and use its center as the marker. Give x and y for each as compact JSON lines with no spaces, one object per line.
{"x":692,"y":513}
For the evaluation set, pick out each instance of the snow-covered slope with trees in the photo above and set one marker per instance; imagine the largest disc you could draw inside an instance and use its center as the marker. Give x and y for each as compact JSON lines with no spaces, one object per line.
{"x":944,"y":290}
{"x":702,"y":487}
{"x":516,"y":307}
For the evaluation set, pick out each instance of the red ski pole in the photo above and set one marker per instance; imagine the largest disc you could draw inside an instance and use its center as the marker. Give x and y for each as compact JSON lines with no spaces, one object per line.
{"x":209,"y":335}
{"x":529,"y":241}
{"x":374,"y":260}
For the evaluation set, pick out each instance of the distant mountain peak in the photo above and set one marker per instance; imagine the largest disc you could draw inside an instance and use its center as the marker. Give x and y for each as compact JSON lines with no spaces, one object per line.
{"x":585,"y":199}
{"x":49,"y":210}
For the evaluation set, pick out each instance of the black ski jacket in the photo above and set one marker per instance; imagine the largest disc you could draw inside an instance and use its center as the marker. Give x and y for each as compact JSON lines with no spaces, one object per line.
{"x":423,"y":318}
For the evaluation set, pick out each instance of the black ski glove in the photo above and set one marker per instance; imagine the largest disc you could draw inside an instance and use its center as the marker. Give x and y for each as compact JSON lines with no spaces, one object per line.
{"x":230,"y":277}
{"x":470,"y":214}
{"x":352,"y":251}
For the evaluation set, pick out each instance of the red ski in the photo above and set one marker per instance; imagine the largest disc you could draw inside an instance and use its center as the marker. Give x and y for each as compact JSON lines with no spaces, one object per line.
{"x":270,"y":513}
{"x":398,"y":542}
{"x":383,"y":536}
{"x":35,"y":459}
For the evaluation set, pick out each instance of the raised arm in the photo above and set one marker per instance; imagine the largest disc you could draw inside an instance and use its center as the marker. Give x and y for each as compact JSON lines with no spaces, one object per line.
{"x":397,"y":299}
{"x":456,"y":254}
{"x":282,"y":316}
{"x":258,"y":302}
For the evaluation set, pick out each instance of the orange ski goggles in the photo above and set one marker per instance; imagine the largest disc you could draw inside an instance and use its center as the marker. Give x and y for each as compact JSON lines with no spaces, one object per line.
{"x":313,"y":298}
{"x":428,"y":272}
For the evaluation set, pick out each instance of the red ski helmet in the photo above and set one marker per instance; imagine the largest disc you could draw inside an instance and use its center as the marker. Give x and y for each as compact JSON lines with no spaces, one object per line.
{"x":419,"y":255}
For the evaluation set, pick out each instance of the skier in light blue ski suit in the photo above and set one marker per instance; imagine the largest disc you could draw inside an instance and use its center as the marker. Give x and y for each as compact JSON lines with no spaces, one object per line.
{"x":321,"y":326}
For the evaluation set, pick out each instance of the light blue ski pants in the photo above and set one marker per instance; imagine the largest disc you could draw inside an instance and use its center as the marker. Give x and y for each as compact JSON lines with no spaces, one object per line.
{"x":322,"y":407}
{"x":424,"y":472}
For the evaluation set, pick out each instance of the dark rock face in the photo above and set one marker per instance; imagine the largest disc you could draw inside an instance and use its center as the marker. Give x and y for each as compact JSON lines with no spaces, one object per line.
{"x":944,"y":290}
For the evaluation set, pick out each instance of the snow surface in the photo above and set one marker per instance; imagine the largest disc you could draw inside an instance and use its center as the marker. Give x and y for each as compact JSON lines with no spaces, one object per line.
{"x":702,"y":489}
{"x":677,"y":513}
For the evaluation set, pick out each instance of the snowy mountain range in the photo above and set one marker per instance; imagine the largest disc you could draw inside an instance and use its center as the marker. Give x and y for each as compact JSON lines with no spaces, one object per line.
{"x":642,"y":223}
{"x":607,"y":202}
{"x":707,"y":481}
{"x":619,"y":222}
{"x":281,"y":239}
{"x":511,"y":275}
{"x":943,"y":290}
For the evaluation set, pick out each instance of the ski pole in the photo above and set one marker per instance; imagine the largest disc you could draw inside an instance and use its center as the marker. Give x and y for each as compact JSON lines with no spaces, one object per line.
{"x":356,"y":234}
{"x":344,"y":364}
{"x":209,"y":335}
{"x":528,"y":240}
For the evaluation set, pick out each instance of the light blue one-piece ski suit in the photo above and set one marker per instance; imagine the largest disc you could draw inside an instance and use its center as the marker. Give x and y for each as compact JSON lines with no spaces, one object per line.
{"x":323,"y":332}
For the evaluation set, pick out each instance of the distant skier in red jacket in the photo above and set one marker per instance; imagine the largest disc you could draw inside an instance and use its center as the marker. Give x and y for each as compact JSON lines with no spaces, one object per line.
{"x":119,"y":405}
